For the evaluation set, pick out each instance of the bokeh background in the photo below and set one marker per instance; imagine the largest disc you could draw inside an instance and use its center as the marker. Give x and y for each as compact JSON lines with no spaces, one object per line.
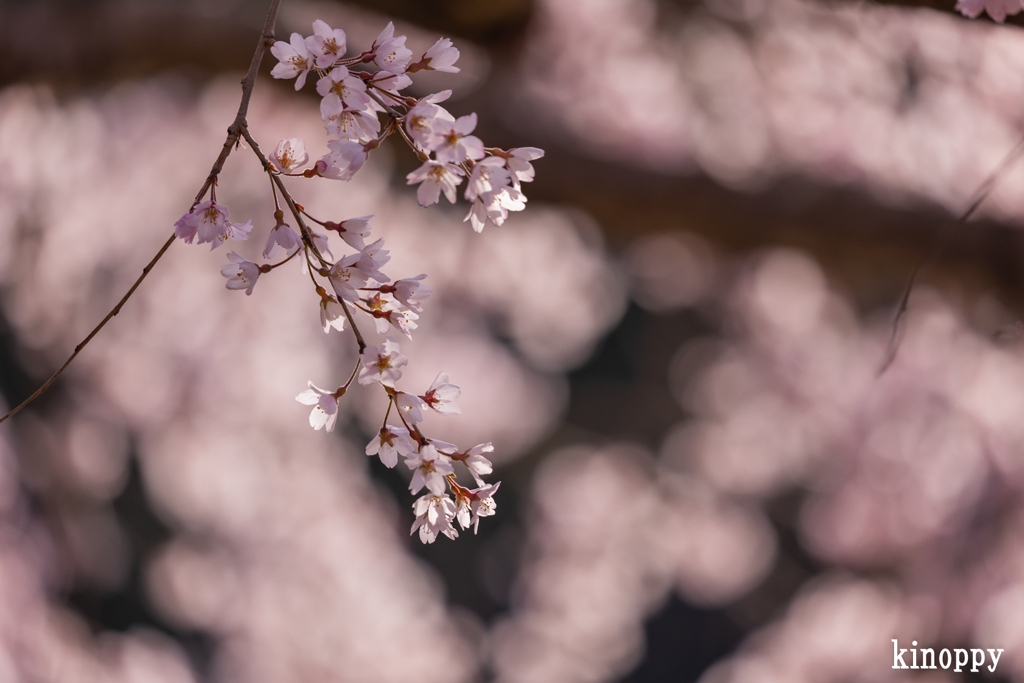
{"x":675,"y":350}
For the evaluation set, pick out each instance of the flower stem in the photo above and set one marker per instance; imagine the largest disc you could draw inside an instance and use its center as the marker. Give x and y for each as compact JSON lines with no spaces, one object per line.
{"x":234,"y":131}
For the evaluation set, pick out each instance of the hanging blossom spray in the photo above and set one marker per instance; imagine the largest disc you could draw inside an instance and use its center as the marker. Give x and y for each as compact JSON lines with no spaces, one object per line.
{"x":357,"y":92}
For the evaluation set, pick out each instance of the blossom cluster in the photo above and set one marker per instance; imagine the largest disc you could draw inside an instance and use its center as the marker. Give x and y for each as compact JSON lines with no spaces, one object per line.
{"x":353,"y":101}
{"x":356,"y":91}
{"x":430,"y":460}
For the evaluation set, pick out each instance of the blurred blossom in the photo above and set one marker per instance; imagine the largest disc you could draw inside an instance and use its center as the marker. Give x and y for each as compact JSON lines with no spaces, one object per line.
{"x":608,"y":543}
{"x":1001,"y":620}
{"x":585,"y":59}
{"x":554,"y":288}
{"x":920,"y":468}
{"x":671,"y":271}
{"x":717,"y":548}
{"x":836,"y":629}
{"x":96,"y":457}
{"x":43,"y":642}
{"x":588,"y":588}
{"x":195,"y":588}
{"x":900,"y":470}
{"x":905,"y":103}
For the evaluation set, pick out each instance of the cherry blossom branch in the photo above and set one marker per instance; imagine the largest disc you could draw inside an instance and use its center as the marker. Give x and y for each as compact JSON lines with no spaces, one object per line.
{"x":114,"y":311}
{"x":352,"y":102}
{"x":307,"y":237}
{"x":938,"y":243}
{"x":267,"y":268}
{"x":387,"y":107}
{"x":420,"y":154}
{"x":352,"y":377}
{"x":355,"y":328}
{"x":248,"y":83}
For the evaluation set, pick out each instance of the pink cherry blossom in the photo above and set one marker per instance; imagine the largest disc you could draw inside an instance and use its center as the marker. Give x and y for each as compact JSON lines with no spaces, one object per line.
{"x":331,"y":313}
{"x":479,"y":213}
{"x":227,"y":231}
{"x":435,"y":177}
{"x":390,"y":52}
{"x":475,"y":461}
{"x":351,"y":104}
{"x":519,"y":165}
{"x":281,"y":237}
{"x":410,"y":292}
{"x":209,"y":221}
{"x":389,"y":443}
{"x":474,"y":504}
{"x":381,"y":364}
{"x":486,"y":207}
{"x":456,"y":144}
{"x":343,"y":89}
{"x":429,"y":469}
{"x":441,"y":396}
{"x":442,"y":446}
{"x":422,"y":120}
{"x":185,"y":227}
{"x":513,"y":199}
{"x":440,"y":57}
{"x":371,"y":258}
{"x":290,"y":155}
{"x":326,"y":45}
{"x":348,"y":124}
{"x":488,"y":175}
{"x":434,"y":515}
{"x":321,"y":244}
{"x":241,"y":273}
{"x":325,"y":407}
{"x":344,"y":160}
{"x":387,"y":314}
{"x":346,"y":277}
{"x":355,"y":230}
{"x":411,"y":407}
{"x":403,"y":321}
{"x":293,"y":60}
{"x":390,"y":81}
{"x":494,"y":205}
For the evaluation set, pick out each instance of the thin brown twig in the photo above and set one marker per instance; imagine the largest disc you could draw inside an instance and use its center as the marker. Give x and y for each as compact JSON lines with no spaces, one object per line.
{"x":234,"y":130}
{"x":307,"y":236}
{"x":355,"y":328}
{"x":281,"y":263}
{"x":420,"y":154}
{"x":353,"y":376}
{"x":939,"y":243}
{"x":388,"y":107}
{"x":114,"y":311}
